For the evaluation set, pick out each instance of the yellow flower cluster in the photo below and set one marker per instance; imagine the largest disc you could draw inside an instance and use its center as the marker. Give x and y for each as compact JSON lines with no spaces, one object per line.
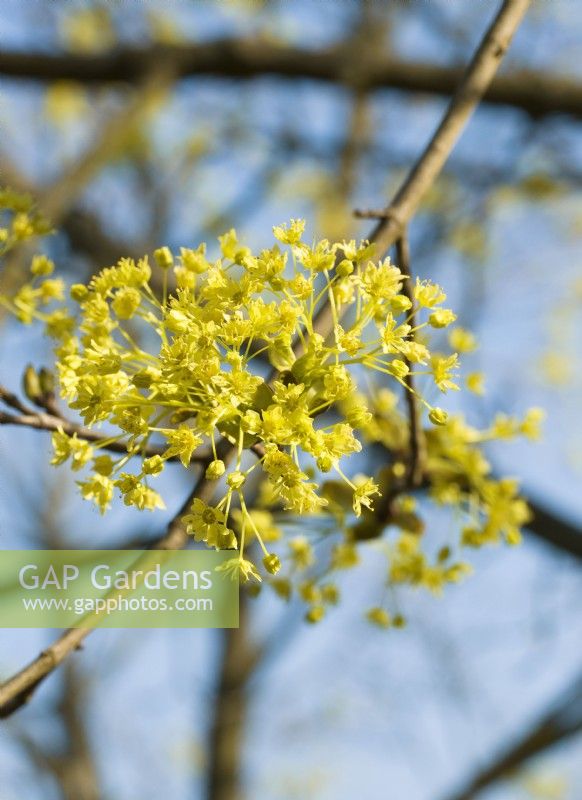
{"x":175,"y":371}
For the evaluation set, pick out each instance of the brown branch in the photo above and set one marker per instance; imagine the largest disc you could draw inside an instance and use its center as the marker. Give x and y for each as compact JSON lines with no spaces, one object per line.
{"x":49,"y":422}
{"x":42,"y":421}
{"x":72,"y":765}
{"x":471,"y":90}
{"x":239,"y":660}
{"x":475,"y":82}
{"x":17,"y":690}
{"x":241,"y":59}
{"x":563,"y":721}
{"x":555,"y":531}
{"x":416,"y":467}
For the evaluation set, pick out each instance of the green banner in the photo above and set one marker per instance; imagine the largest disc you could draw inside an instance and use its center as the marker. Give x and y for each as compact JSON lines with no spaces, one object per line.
{"x":116,"y":589}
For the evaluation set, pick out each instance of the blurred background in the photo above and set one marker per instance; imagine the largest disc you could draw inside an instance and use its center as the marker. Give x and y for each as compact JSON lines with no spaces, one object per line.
{"x":165,"y":123}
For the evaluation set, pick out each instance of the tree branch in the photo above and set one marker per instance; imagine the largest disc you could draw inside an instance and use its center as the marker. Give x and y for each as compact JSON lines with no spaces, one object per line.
{"x":416,"y":465}
{"x":239,"y":659}
{"x":41,"y":421}
{"x":475,"y":82}
{"x":563,"y":721}
{"x":555,"y":531}
{"x":243,"y":59}
{"x":17,"y":691}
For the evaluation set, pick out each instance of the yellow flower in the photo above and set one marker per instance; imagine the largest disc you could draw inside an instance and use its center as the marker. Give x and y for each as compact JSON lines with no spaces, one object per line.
{"x":378,"y":616}
{"x":443,"y":369}
{"x":344,"y":556}
{"x":204,"y":522}
{"x":126,"y":302}
{"x":290,"y":234}
{"x":41,"y":265}
{"x":442,"y":318}
{"x":98,"y":489}
{"x":183,"y":441}
{"x":240,"y":569}
{"x":461,"y":340}
{"x":428,"y":294}
{"x":475,"y":383}
{"x":65,"y":447}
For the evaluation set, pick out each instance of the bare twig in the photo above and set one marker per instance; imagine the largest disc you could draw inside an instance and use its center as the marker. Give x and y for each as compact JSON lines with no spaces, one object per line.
{"x":416,"y":467}
{"x":476,"y":80}
{"x":13,"y":401}
{"x":375,"y":213}
{"x":28,"y":418}
{"x":42,"y":421}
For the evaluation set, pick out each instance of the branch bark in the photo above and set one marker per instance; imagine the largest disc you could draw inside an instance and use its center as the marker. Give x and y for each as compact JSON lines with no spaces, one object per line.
{"x":242,"y":59}
{"x":475,"y":82}
{"x":238,"y":661}
{"x":17,"y":690}
{"x":561,"y":722}
{"x":417,"y":443}
{"x":553,"y":530}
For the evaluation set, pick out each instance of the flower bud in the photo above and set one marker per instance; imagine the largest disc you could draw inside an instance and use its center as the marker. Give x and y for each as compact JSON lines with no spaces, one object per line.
{"x":282,"y":588}
{"x":164,"y":257}
{"x":47,"y":381}
{"x":272,"y":563}
{"x":330,"y":593}
{"x":236,"y":479}
{"x":378,"y":616}
{"x":226,"y":540}
{"x":400,"y":303}
{"x":253,"y":589}
{"x":315,"y":614}
{"x":398,"y":368}
{"x":31,"y":384}
{"x":41,"y":265}
{"x":443,"y":554}
{"x":345,"y":268}
{"x":142,"y":379}
{"x":214,"y":470}
{"x":153,"y":465}
{"x":78,"y":292}
{"x":437,"y":416}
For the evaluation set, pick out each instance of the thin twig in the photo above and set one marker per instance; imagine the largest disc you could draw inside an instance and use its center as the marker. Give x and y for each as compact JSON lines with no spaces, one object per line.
{"x":13,"y":401}
{"x":475,"y":82}
{"x":40,"y":421}
{"x":416,"y":465}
